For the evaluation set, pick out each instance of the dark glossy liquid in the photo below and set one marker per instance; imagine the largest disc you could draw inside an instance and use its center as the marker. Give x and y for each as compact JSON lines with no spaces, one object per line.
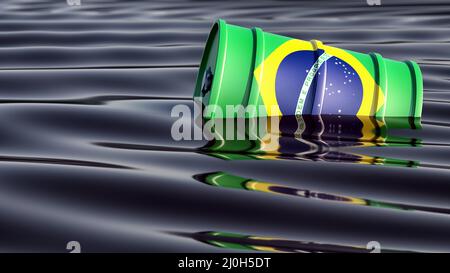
{"x":86,"y":152}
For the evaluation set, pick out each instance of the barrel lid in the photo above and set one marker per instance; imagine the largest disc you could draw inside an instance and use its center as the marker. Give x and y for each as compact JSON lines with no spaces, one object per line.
{"x":209,"y":63}
{"x":226,"y":69}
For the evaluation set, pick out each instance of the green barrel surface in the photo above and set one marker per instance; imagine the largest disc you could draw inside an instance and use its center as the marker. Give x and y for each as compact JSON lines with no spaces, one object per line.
{"x":282,"y":76}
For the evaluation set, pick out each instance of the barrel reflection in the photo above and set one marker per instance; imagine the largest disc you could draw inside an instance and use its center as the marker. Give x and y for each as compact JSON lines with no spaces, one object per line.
{"x":316,"y":138}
